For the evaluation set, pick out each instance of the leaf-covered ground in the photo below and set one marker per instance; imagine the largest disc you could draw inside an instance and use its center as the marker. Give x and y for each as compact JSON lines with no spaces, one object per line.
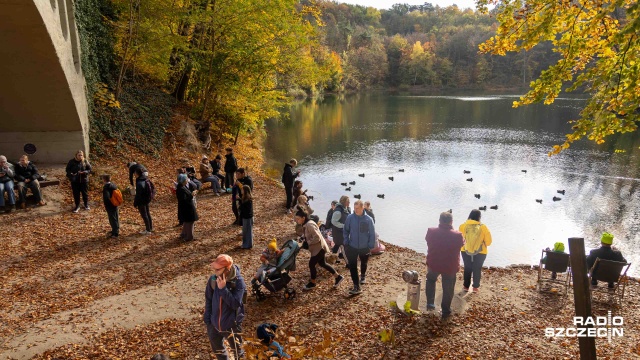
{"x":69,"y":292}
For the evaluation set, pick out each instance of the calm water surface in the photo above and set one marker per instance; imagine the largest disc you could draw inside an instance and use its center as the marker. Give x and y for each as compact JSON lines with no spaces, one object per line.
{"x":435,"y":138}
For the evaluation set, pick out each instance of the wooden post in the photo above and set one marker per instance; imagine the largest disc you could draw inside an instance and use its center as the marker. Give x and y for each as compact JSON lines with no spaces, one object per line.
{"x":581,"y":294}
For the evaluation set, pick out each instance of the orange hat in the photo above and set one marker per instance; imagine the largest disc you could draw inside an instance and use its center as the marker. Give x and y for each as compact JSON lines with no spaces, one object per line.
{"x":223,"y":260}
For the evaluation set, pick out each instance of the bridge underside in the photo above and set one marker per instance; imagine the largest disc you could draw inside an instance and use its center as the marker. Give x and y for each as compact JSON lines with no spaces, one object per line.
{"x":42,"y":97}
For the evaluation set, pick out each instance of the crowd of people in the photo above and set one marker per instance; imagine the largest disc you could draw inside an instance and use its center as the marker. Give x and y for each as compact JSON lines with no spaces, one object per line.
{"x":345,"y":235}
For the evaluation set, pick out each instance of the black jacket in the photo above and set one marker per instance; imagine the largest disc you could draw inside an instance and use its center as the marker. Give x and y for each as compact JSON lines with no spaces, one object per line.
{"x":215,"y":166}
{"x":288,"y":176}
{"x":246,"y":209}
{"x":327,"y":224}
{"x":132,"y":170}
{"x":604,"y":253}
{"x":231,"y":164}
{"x":107,"y":191}
{"x":186,"y":208}
{"x":74,"y":166}
{"x":247,"y":180}
{"x":28,"y":172}
{"x":370,"y":213}
{"x":142,"y":193}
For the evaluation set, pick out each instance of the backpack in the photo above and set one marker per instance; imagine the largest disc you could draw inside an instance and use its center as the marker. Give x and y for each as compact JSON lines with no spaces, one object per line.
{"x":151,"y":189}
{"x":116,"y":198}
{"x":473,"y":241}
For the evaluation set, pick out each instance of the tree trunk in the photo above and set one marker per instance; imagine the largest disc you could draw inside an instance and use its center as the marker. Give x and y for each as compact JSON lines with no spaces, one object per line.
{"x":126,"y":52}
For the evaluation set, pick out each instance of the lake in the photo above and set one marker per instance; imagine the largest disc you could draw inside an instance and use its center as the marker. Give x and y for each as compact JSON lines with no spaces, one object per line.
{"x":434,"y":138}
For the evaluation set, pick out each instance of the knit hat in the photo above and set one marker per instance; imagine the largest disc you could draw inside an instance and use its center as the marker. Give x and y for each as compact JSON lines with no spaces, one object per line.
{"x":205,"y":157}
{"x":607,"y":238}
{"x":273,"y":245}
{"x":224,"y":261}
{"x":558,"y":247}
{"x":334,"y":202}
{"x":182,"y":178}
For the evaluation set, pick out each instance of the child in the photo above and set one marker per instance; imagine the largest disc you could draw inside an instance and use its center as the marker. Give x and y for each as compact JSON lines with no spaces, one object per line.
{"x":267,"y":333}
{"x":557,"y":247}
{"x":269,"y":259}
{"x":112,"y":210}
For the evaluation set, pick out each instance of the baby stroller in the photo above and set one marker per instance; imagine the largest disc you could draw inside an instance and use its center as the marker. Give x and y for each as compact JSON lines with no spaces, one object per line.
{"x":276,"y":278}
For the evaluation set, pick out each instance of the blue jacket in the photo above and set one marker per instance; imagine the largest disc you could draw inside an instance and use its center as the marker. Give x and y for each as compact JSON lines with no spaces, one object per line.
{"x":223,"y":307}
{"x":359,"y":232}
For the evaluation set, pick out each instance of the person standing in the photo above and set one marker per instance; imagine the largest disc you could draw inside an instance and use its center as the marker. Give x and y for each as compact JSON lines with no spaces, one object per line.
{"x":27,"y":175}
{"x":359,"y":238}
{"x":78,"y":170}
{"x":442,"y":260}
{"x":604,"y":252}
{"x":206,"y":175}
{"x":288,"y":177}
{"x":230,"y":167}
{"x":369,"y":211}
{"x":243,"y":179}
{"x":474,"y":252}
{"x":246,"y":213}
{"x":338,"y":218}
{"x":7,"y":175}
{"x":142,"y":200}
{"x":187,"y":213}
{"x":133,"y":168}
{"x":112,"y":210}
{"x":327,"y":224}
{"x":317,"y":247}
{"x":224,"y":308}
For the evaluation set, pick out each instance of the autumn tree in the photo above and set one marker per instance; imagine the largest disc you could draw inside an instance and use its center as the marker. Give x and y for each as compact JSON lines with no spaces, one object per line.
{"x":598,"y":48}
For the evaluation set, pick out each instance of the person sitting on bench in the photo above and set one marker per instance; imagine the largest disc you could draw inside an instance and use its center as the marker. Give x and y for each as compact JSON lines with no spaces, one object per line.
{"x":6,"y":184}
{"x":604,"y":252}
{"x":27,"y":177}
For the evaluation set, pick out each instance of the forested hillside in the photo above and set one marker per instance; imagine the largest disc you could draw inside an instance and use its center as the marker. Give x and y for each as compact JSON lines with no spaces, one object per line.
{"x":424,"y":45}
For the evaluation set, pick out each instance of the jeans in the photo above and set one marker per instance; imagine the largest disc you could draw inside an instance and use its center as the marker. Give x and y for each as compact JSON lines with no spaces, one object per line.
{"x":448,"y":284}
{"x":114,"y":221}
{"x":228,"y":180}
{"x":216,"y":338}
{"x":187,"y":230}
{"x":352,"y":259}
{"x":215,"y":185}
{"x":247,"y":233}
{"x":472,"y":267}
{"x":80,"y":188}
{"x":8,"y":187}
{"x":34,"y":185}
{"x":146,"y":216}
{"x":319,"y":260}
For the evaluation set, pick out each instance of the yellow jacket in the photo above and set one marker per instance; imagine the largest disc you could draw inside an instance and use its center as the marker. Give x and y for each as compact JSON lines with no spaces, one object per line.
{"x":484,"y":233}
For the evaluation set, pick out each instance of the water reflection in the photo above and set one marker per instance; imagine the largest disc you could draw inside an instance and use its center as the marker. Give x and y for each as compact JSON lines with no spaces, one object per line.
{"x":435,"y":138}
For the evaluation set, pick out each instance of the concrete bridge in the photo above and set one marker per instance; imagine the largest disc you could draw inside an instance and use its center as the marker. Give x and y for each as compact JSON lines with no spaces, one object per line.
{"x":42,"y":89}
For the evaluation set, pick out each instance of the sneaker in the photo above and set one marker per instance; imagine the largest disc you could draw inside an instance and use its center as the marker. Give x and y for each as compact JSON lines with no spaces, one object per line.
{"x":217,"y":194}
{"x":309,"y":286}
{"x":476,"y":290}
{"x":338,"y":281}
{"x":445,"y":318}
{"x":24,"y":205}
{"x":86,"y":207}
{"x":145,"y":232}
{"x":363,"y":280}
{"x":465,"y":288}
{"x":431,"y":307}
{"x":42,"y":203}
{"x":75,"y":211}
{"x":355,"y":291}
